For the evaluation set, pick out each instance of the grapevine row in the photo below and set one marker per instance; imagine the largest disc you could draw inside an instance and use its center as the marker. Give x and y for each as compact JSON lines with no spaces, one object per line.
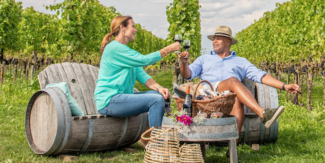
{"x":73,"y":33}
{"x":303,"y":71}
{"x":292,"y":31}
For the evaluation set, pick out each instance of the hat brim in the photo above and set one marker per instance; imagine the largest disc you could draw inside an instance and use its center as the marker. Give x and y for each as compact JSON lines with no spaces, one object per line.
{"x":233,"y":40}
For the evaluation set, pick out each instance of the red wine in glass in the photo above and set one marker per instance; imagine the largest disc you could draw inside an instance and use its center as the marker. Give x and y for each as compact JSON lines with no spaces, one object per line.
{"x":187,"y":47}
{"x":178,"y":38}
{"x":180,"y":41}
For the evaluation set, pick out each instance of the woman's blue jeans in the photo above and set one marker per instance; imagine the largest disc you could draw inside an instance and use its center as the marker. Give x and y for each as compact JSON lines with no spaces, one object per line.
{"x":127,"y":105}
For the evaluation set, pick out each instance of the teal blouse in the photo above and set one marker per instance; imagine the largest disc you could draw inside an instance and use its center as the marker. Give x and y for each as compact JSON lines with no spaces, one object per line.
{"x":120,"y":67}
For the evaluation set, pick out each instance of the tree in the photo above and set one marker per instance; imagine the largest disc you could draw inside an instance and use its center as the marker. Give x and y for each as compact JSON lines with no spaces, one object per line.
{"x":184,"y":18}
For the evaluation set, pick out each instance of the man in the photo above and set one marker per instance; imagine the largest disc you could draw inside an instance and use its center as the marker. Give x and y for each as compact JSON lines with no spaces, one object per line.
{"x":225,"y":70}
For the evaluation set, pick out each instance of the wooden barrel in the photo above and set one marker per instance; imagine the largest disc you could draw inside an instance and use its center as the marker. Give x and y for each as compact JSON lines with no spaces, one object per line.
{"x":51,"y":130}
{"x":253,"y":130}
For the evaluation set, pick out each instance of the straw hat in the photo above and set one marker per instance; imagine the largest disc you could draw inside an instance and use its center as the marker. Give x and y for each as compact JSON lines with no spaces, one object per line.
{"x":223,"y":31}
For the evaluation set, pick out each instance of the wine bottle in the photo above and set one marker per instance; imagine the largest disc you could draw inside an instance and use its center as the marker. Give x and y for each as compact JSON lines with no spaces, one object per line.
{"x":187,"y":105}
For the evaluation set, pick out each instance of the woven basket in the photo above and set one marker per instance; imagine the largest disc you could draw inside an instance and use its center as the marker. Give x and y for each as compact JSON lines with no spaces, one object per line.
{"x":163,"y":145}
{"x":222,"y":104}
{"x":191,"y":153}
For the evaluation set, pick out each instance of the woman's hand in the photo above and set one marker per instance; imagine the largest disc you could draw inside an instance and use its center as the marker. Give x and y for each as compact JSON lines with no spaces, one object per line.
{"x":292,"y":88}
{"x":164,"y":92}
{"x":184,"y":54}
{"x":176,"y":46}
{"x":150,"y":83}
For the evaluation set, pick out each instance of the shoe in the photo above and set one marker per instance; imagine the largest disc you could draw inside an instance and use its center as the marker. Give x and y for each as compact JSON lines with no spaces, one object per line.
{"x":270,"y":116}
{"x":142,"y":144}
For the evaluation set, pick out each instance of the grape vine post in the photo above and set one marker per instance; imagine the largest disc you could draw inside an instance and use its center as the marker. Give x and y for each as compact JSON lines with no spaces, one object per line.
{"x":184,"y":18}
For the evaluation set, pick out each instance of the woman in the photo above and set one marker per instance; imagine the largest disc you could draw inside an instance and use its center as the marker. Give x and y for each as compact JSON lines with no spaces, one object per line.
{"x":120,"y":67}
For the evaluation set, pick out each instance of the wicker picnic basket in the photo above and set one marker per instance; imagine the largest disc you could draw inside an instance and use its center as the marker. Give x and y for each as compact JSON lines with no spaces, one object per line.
{"x":163,"y":145}
{"x":222,"y":104}
{"x":191,"y":153}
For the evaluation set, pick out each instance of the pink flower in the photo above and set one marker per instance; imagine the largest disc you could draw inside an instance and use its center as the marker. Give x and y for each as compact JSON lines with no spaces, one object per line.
{"x":188,"y":120}
{"x":179,"y":119}
{"x":183,"y":118}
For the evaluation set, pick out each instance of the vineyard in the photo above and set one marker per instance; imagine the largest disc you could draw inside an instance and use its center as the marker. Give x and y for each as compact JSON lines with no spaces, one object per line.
{"x":294,"y":30}
{"x":288,"y":43}
{"x":31,"y":40}
{"x":305,"y":71}
{"x":73,"y":34}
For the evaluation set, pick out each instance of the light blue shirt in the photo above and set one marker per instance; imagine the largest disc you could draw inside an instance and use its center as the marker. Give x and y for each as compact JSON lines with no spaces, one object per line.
{"x":213,"y":68}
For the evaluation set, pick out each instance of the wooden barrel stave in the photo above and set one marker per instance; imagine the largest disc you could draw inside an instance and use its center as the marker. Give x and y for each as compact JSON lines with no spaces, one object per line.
{"x":106,"y":133}
{"x":254,"y":131}
{"x":67,"y":114}
{"x":77,"y":135}
{"x":250,"y":85}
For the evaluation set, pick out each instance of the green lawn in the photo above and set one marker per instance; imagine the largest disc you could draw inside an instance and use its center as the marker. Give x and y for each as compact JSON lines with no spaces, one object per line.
{"x":301,"y":135}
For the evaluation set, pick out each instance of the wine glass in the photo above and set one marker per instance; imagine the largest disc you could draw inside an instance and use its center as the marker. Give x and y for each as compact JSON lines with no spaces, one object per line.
{"x":178,"y":38}
{"x":186,"y":45}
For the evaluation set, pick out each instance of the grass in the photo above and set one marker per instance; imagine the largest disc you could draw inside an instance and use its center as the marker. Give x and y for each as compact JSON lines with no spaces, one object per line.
{"x":301,"y":135}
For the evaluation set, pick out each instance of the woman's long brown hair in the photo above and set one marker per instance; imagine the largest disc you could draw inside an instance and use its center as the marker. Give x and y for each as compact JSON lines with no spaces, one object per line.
{"x":115,"y":29}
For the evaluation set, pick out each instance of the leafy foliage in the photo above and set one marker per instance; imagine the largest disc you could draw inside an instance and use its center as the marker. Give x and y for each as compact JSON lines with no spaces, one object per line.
{"x":10,"y":16}
{"x":184,"y":18}
{"x":33,"y":30}
{"x":85,"y":23}
{"x":74,"y":32}
{"x":295,"y":29}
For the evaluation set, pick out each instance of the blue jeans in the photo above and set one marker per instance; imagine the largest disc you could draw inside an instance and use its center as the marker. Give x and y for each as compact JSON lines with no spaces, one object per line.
{"x":127,"y":105}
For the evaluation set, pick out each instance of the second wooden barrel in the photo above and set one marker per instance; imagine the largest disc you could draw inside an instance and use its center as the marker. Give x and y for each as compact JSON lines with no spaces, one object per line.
{"x":51,"y":130}
{"x":253,"y":130}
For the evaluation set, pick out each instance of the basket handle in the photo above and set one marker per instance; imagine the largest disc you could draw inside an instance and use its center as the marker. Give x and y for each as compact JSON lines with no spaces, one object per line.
{"x":180,"y":149}
{"x":162,"y":133}
{"x":197,"y":86}
{"x":142,"y":136}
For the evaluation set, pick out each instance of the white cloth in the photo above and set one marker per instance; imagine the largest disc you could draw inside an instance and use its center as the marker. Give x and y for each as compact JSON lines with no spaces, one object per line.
{"x":214,"y":85}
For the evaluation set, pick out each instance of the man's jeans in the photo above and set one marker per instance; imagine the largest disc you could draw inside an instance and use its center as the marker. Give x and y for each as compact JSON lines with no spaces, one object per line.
{"x":127,"y":105}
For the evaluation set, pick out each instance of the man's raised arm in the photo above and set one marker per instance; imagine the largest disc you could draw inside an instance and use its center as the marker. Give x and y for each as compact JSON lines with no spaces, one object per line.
{"x":185,"y":70}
